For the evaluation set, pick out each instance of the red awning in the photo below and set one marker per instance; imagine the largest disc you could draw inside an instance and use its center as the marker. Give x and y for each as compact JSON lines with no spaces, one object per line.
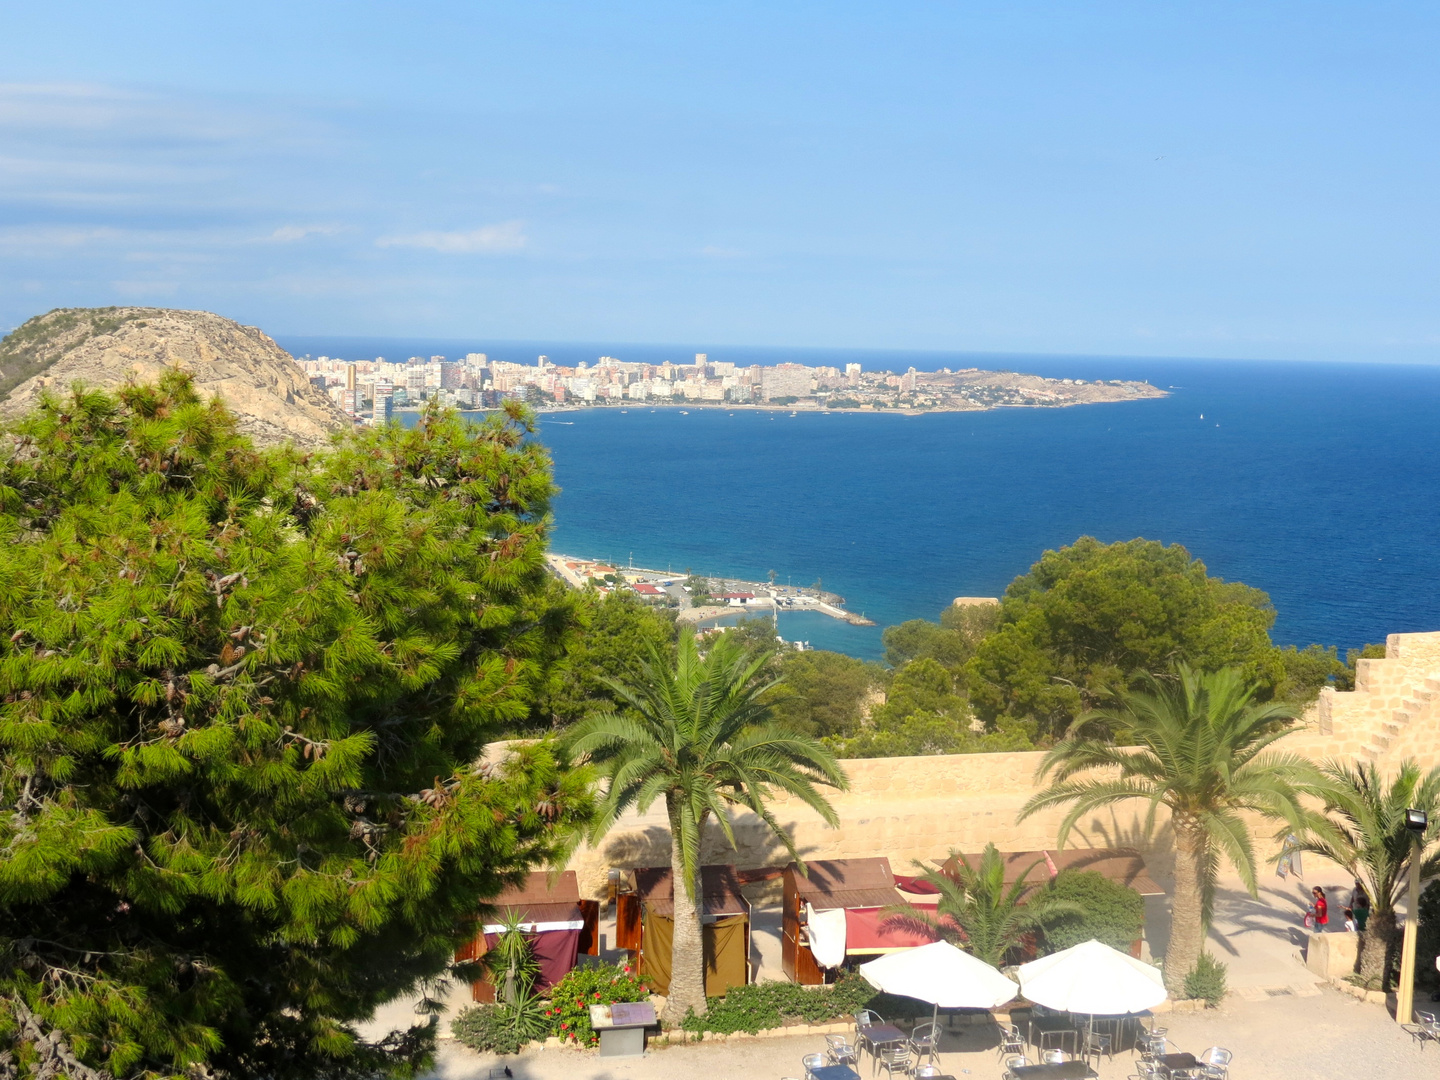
{"x":869,"y":930}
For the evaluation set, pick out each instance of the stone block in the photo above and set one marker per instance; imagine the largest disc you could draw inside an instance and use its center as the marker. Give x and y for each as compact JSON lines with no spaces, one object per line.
{"x":1332,"y":956}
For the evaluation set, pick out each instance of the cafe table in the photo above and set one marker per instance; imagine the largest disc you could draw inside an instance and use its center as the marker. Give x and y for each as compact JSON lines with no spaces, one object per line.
{"x":1062,"y":1070}
{"x":1174,"y":1064}
{"x":1063,"y":1026}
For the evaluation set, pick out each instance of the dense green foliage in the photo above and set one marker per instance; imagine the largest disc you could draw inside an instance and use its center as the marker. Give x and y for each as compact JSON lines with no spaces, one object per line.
{"x":1090,"y":620}
{"x":824,"y":694}
{"x":979,"y":911}
{"x":697,"y":733}
{"x":502,"y":1029}
{"x":1105,"y":911}
{"x":1206,"y":980}
{"x":1360,"y":825}
{"x":242,"y":698}
{"x":924,"y":714}
{"x":1427,"y":944}
{"x":1201,"y":746}
{"x":610,"y":634}
{"x":763,"y":1006}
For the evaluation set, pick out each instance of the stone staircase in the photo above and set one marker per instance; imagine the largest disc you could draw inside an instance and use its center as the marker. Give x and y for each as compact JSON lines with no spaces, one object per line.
{"x":1392,"y":714}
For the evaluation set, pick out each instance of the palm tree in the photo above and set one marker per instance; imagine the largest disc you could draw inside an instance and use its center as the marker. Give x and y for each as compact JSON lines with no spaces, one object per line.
{"x":1362,"y":828}
{"x":1201,"y":748}
{"x":698,"y":735}
{"x":976,"y":909}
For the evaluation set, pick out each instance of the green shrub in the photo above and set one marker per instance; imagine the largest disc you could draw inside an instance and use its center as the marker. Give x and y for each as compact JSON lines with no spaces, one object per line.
{"x":1112,"y":913}
{"x":1427,"y":940}
{"x":581,"y":987}
{"x":503,"y":1029}
{"x":1206,"y":980}
{"x":770,"y":1005}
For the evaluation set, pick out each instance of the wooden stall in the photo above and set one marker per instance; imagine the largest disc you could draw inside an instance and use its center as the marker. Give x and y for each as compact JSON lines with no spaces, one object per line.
{"x":861,"y":889}
{"x":558,"y":924}
{"x":645,"y":924}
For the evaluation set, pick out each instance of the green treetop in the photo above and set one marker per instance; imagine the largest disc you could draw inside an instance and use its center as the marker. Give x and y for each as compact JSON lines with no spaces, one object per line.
{"x":1087,"y":620}
{"x":243,"y":698}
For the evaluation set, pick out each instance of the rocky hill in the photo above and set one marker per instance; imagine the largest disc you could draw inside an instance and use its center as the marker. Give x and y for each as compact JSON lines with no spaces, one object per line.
{"x":258,"y":380}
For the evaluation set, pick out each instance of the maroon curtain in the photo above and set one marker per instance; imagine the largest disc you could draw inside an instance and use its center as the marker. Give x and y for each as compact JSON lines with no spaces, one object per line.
{"x":554,"y":949}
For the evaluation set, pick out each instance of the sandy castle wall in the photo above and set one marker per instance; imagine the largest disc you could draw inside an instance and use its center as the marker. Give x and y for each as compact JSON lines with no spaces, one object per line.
{"x":920,"y":807}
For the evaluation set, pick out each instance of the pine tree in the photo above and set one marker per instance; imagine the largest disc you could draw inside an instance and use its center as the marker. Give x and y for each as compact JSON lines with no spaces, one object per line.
{"x":244,"y":699}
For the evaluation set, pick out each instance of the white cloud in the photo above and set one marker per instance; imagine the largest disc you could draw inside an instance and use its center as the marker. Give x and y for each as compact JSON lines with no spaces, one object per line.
{"x":508,"y":236}
{"x":288,"y":234}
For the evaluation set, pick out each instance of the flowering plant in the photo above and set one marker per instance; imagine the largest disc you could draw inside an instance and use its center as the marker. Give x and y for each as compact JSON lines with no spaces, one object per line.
{"x":592,"y":984}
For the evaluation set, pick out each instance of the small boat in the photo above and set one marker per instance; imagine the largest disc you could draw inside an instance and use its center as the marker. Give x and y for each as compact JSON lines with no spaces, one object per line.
{"x":683,"y":412}
{"x":792,"y":414}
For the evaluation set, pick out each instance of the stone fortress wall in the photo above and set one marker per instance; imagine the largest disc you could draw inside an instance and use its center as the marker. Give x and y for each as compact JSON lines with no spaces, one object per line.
{"x":919,"y":808}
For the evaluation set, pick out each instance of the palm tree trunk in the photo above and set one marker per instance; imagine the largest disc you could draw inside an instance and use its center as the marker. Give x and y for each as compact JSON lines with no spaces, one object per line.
{"x":1187,"y":920}
{"x":687,"y":958}
{"x":1377,"y":944}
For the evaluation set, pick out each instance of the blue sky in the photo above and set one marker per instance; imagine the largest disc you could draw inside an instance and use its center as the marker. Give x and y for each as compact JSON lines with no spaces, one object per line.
{"x":1242,"y":180}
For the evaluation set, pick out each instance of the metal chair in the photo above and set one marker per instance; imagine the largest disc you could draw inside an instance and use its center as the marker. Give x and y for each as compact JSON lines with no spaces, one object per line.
{"x":1096,"y":1043}
{"x":1422,"y":1032}
{"x":1011,"y":1041}
{"x":840,"y":1052}
{"x":811,"y":1062}
{"x":1055,"y":1057}
{"x":895,"y":1059}
{"x":865,"y":1018}
{"x":925,"y":1041}
{"x":1146,"y":1070}
{"x":1014,"y":1061}
{"x":1154,"y":1044}
{"x":923,"y":1071}
{"x":1216,"y":1063}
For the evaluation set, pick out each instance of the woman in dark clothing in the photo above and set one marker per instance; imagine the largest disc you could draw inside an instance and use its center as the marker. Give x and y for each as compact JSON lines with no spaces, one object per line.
{"x":1321,"y":909}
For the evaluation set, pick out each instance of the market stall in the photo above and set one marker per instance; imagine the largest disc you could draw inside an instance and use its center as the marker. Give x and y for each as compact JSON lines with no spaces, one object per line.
{"x":645,"y":924}
{"x":837,"y":910}
{"x":557,"y":923}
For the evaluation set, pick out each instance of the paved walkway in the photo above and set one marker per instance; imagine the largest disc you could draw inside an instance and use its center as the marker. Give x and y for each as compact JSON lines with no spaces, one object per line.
{"x":1327,"y":1036}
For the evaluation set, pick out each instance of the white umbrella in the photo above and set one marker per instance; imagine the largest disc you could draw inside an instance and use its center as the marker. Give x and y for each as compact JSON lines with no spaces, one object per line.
{"x":942,"y":975}
{"x":1092,"y":978}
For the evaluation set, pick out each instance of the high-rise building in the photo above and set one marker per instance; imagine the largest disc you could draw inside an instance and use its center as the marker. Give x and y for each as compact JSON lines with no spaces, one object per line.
{"x":383,"y":410}
{"x":786,"y":380}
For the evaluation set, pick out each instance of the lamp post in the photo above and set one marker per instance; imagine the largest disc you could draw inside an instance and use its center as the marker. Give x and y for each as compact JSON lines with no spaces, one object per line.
{"x":1417,"y":822}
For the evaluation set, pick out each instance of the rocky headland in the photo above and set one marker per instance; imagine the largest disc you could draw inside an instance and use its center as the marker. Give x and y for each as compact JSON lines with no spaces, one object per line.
{"x":259,"y":381}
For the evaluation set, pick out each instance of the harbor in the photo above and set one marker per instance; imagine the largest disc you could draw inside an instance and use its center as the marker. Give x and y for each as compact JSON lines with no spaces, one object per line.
{"x":701,"y":598}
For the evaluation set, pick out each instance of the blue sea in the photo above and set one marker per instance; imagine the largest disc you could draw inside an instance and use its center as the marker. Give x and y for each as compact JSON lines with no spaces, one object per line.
{"x":1319,"y":483}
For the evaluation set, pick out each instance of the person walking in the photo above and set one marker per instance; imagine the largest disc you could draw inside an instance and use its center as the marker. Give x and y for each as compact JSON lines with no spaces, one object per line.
{"x":1360,"y":904}
{"x":1320,"y":909}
